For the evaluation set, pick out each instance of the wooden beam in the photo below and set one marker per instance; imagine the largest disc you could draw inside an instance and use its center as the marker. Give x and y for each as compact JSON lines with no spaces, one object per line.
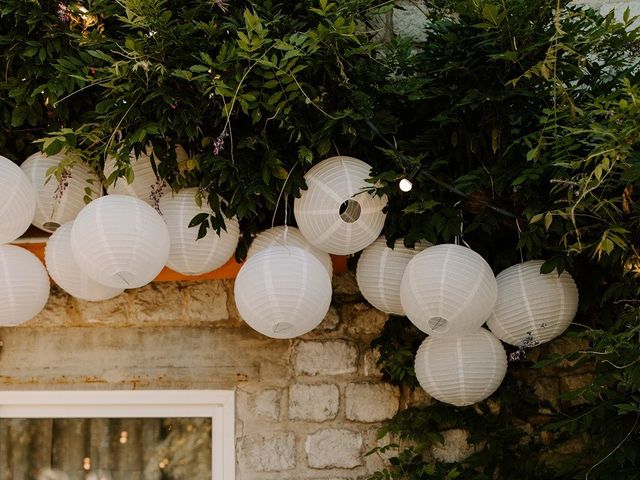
{"x":229,"y":270}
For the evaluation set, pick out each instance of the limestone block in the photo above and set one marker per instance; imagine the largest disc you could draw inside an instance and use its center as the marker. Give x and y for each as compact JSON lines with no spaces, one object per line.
{"x":316,"y":403}
{"x":370,"y":366}
{"x":334,"y":448}
{"x":362,"y":320}
{"x":207,"y":301}
{"x":565,"y":346}
{"x":547,"y":389}
{"x":345,"y":287}
{"x":331,"y":320}
{"x":272,"y":452}
{"x":571,"y":383}
{"x":157,"y":303}
{"x":409,"y":19}
{"x":455,"y":447}
{"x":58,"y":311}
{"x":267,"y":404}
{"x":110,"y":312}
{"x":371,"y":402}
{"x":333,"y":357}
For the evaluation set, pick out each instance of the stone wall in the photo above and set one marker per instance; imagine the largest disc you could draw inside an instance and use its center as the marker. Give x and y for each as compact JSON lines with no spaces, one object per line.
{"x":306,"y":409}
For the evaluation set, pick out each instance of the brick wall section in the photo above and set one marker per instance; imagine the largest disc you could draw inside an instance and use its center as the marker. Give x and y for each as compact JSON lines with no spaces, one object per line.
{"x":307,"y":408}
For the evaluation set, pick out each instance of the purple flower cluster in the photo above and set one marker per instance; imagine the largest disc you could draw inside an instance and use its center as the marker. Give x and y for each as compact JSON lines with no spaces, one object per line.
{"x":63,"y":12}
{"x":155,"y":194}
{"x":526,"y":343}
{"x":218,"y":143}
{"x":65,"y":177}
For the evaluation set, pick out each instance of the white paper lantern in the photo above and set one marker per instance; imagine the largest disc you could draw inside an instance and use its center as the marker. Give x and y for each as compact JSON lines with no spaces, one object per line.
{"x":461,"y":370}
{"x":448,"y":290}
{"x":283,"y":292}
{"x":380,"y":270}
{"x":532,"y":307}
{"x":66,"y":272}
{"x":56,"y":203}
{"x":335,"y":213}
{"x":289,"y":236}
{"x":17,"y":201}
{"x":145,"y":185}
{"x":120,"y":241}
{"x":188,"y":255}
{"x":24,"y":285}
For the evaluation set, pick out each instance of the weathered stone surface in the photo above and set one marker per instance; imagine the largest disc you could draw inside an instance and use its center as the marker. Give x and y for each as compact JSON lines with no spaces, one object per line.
{"x":362,"y":320}
{"x":371,"y":402}
{"x":409,"y":20}
{"x":345,"y":287}
{"x":273,"y":452}
{"x":565,"y":346}
{"x":370,"y":366}
{"x":455,"y":447}
{"x":572,"y":383}
{"x":58,"y":311}
{"x":334,"y":448}
{"x":331,"y":320}
{"x":547,"y":389}
{"x":316,"y":403}
{"x":207,"y":301}
{"x":333,"y":357}
{"x":267,"y":404}
{"x":110,"y":312}
{"x":157,"y":303}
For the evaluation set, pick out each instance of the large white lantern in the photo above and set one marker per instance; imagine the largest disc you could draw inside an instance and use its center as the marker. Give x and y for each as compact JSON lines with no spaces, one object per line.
{"x":17,"y":201}
{"x":448,"y":290}
{"x":288,"y":236}
{"x":24,"y":285}
{"x":59,"y":202}
{"x":145,"y":184}
{"x":380,"y":270}
{"x":283,"y":292}
{"x":532,"y":307}
{"x":461,"y":370}
{"x":335,"y":213}
{"x":66,"y":272}
{"x":188,"y":255}
{"x":120,"y":241}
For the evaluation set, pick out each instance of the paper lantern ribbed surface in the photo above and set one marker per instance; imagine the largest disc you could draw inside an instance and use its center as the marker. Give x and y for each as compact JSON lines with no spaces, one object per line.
{"x":24,"y":285}
{"x":276,"y":237}
{"x":66,"y":272}
{"x":56,"y":203}
{"x":120,"y":241}
{"x":145,"y":185}
{"x":17,"y":201}
{"x":461,"y":370}
{"x":380,"y":270}
{"x":448,"y":290}
{"x":532,"y":307}
{"x":334,"y":213}
{"x":188,"y":255}
{"x":283,"y":292}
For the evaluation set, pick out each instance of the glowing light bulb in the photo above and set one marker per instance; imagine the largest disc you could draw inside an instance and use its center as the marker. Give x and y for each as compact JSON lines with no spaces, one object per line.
{"x":405,"y":185}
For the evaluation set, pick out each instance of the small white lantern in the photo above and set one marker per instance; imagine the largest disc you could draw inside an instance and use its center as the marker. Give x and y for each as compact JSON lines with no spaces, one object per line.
{"x":461,"y":370}
{"x":532,"y":307}
{"x":59,"y":202}
{"x":448,"y":290}
{"x":64,"y":270}
{"x":283,"y":292}
{"x":24,"y":285}
{"x":145,"y":184}
{"x":120,"y":241}
{"x":188,"y":255}
{"x":285,"y":237}
{"x":17,"y":201}
{"x":336,"y":213}
{"x":380,"y":270}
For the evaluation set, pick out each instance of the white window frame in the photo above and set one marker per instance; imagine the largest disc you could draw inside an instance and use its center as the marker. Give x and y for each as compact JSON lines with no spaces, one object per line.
{"x":219,"y":405}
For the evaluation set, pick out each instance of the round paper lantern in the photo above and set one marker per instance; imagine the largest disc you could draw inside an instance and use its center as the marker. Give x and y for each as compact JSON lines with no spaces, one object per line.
{"x":17,"y":201}
{"x":59,"y":202}
{"x":120,"y":241}
{"x":67,"y":274}
{"x":188,"y":255}
{"x":532,"y":307}
{"x":145,"y":185}
{"x":283,"y":292}
{"x":461,"y":370}
{"x":448,"y":290}
{"x":335,"y":214}
{"x":276,"y":236}
{"x":24,"y":285}
{"x":380,"y":270}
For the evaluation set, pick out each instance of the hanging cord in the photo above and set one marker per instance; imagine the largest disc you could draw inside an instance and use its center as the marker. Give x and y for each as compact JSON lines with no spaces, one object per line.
{"x":459,"y":239}
{"x":434,"y":179}
{"x":275,"y":210}
{"x":519,"y":238}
